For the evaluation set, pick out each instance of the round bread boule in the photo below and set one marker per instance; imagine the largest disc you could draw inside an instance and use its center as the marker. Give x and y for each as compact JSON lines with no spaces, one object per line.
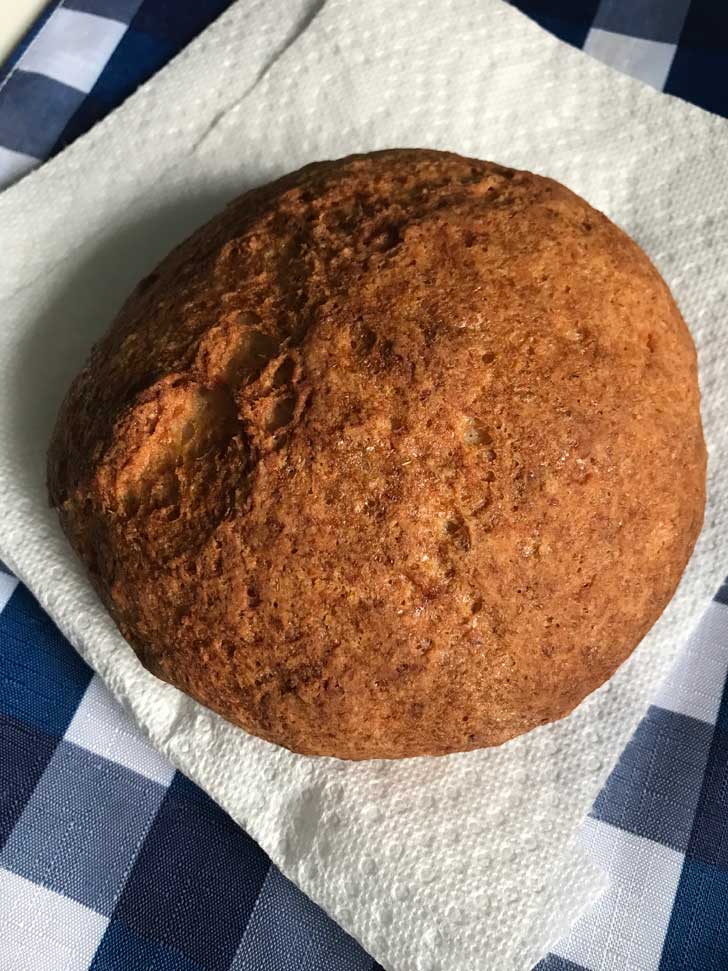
{"x":398,"y":455}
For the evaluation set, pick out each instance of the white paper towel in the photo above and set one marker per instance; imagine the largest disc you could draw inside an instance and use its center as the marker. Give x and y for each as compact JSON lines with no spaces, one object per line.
{"x":459,"y":863}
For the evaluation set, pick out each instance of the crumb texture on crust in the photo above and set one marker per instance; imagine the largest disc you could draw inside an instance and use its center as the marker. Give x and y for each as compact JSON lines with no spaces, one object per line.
{"x":398,"y":455}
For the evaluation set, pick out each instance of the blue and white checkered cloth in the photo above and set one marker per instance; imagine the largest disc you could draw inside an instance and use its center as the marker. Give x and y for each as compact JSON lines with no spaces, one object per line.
{"x":109,"y":859}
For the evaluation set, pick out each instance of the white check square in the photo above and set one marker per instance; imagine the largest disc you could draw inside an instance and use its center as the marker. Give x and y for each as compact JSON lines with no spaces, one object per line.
{"x":42,"y":931}
{"x":102,"y":726}
{"x":695,"y":684}
{"x":646,"y":60}
{"x":7,"y":587}
{"x":73,"y":48}
{"x":617,"y":933}
{"x":13,"y":165}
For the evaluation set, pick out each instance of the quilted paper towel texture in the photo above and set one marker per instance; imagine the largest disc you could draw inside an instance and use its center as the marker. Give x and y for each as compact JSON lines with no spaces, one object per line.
{"x":464,"y":862}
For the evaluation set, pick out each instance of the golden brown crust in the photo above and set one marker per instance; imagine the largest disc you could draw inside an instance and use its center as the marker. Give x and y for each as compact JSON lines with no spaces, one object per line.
{"x":398,"y":455}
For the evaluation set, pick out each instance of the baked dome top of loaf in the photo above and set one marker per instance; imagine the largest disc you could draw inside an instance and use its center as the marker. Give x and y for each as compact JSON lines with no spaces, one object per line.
{"x":398,"y":455}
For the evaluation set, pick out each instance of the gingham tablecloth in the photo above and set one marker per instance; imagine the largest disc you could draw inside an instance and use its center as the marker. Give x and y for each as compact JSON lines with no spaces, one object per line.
{"x":109,"y":859}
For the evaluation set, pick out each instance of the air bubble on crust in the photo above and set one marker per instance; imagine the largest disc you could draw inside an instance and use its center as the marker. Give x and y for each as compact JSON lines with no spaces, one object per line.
{"x":458,"y":532}
{"x":255,"y":350}
{"x":283,"y":374}
{"x":475,"y":433}
{"x":281,"y":413}
{"x":363,"y":340}
{"x":235,"y":351}
{"x":189,"y":422}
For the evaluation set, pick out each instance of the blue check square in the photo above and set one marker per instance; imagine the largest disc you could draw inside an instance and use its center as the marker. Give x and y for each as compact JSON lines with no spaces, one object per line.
{"x":24,"y":754}
{"x":697,"y":936}
{"x":698,"y":75}
{"x":206,"y":873}
{"x":53,"y":103}
{"x":569,"y":20}
{"x":42,"y":679}
{"x":649,"y":19}
{"x":654,"y":788}
{"x":554,"y":963}
{"x":308,"y":934}
{"x":177,"y":22}
{"x":82,"y":827}
{"x":122,"y":10}
{"x":123,"y":950}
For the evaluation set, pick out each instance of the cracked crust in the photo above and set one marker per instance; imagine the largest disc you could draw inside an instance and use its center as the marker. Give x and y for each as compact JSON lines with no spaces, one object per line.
{"x":398,"y":455}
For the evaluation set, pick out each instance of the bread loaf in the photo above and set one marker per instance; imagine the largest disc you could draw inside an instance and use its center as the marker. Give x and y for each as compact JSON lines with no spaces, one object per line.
{"x":398,"y":455}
